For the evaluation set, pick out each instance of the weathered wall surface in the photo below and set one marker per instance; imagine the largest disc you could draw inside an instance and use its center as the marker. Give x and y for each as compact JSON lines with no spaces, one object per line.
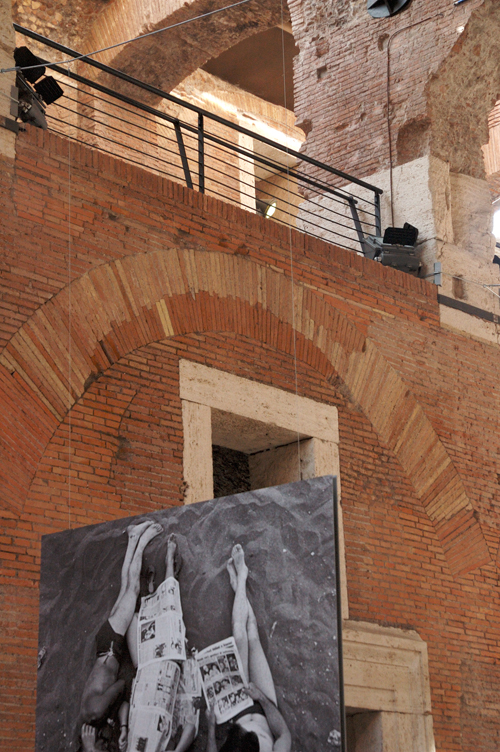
{"x":341,"y":75}
{"x":148,"y":272}
{"x":356,"y":78}
{"x":377,"y":98}
{"x":463,"y":92}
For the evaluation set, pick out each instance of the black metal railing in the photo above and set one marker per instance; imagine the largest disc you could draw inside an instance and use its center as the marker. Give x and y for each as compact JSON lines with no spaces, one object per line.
{"x":207,"y":152}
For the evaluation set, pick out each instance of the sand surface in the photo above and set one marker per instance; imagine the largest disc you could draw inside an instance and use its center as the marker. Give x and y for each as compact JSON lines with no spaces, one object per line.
{"x":287,"y":535}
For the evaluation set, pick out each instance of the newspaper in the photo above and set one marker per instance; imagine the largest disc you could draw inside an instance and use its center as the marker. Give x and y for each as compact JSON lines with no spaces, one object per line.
{"x":161,"y":631}
{"x":222,"y":678}
{"x":152,"y":706}
{"x":160,"y":643}
{"x":165,"y":699}
{"x":188,"y":700}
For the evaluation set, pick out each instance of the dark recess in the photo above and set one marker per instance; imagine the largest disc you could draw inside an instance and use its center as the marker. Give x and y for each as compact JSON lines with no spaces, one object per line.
{"x":231,"y":471}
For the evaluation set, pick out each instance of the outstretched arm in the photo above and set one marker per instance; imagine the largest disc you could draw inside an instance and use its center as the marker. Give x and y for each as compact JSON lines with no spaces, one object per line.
{"x":277,"y":725}
{"x":211,"y":745}
{"x":187,"y":738}
{"x":123,"y":718}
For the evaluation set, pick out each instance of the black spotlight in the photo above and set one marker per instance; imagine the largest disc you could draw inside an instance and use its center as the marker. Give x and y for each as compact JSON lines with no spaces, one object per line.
{"x":49,"y":89}
{"x":36,"y":90}
{"x":24,"y":58}
{"x":396,"y":248}
{"x":267,"y":210}
{"x":386,"y":8}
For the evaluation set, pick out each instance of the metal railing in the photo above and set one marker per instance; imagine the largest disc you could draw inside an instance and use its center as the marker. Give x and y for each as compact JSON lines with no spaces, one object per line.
{"x":207,"y":152}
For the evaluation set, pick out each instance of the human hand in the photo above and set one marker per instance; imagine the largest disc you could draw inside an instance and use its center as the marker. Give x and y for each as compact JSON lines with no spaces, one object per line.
{"x":255,"y":693}
{"x":123,"y":739}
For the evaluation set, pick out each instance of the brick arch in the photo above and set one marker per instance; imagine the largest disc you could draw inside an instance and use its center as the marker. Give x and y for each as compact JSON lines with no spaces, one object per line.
{"x":463,"y":92}
{"x":166,"y":59}
{"x":119,"y":307}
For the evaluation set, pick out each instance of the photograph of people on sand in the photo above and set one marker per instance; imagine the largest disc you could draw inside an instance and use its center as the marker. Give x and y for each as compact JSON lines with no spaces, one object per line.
{"x":204,"y":628}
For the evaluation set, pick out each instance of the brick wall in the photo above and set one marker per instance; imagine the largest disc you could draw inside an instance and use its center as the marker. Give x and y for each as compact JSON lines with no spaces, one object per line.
{"x":341,"y":78}
{"x":368,"y":340}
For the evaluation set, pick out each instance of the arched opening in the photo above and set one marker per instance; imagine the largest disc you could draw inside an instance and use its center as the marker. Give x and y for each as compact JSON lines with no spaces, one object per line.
{"x":246,"y":80}
{"x":251,"y":83}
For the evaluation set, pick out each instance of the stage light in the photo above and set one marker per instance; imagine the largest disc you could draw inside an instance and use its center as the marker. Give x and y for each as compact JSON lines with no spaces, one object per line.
{"x":24,"y":58}
{"x":386,"y":8}
{"x":49,"y":89}
{"x":267,"y":210}
{"x":396,"y":248}
{"x":36,"y":90}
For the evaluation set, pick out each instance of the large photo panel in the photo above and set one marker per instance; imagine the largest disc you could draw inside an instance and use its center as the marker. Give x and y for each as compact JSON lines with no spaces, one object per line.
{"x":228,"y":604}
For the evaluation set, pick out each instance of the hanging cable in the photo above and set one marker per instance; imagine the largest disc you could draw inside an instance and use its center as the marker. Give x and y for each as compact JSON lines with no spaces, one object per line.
{"x":294,"y":331}
{"x":70,"y":355}
{"x":388,"y":88}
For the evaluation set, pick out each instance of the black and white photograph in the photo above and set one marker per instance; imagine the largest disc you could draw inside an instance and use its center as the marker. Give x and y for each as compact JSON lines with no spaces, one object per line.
{"x":209,"y":627}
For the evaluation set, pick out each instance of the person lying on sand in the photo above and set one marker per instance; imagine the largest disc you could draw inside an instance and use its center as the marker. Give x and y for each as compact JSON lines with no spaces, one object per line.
{"x":173,"y":564}
{"x":103,"y":688}
{"x":260,"y":728}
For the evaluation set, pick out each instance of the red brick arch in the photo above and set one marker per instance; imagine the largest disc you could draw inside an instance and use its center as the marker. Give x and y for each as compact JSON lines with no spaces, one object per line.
{"x":166,"y":59}
{"x":124,"y":305}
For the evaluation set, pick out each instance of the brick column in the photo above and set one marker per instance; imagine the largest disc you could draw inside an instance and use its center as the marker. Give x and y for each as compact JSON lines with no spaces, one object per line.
{"x":7,"y":44}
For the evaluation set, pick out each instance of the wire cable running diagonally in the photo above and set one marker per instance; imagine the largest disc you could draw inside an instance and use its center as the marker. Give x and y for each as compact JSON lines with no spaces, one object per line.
{"x":128,"y":41}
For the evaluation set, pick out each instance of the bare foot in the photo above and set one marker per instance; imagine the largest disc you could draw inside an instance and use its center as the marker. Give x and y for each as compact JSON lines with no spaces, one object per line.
{"x":238,"y":557}
{"x":173,"y":556}
{"x":88,"y":738}
{"x":150,"y":532}
{"x":233,"y":577}
{"x":135,"y":531}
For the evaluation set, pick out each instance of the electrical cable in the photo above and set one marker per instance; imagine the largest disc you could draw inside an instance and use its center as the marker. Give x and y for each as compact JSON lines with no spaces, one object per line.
{"x":70,"y":354}
{"x":292,"y":295}
{"x":388,"y":86}
{"x":127,"y":41}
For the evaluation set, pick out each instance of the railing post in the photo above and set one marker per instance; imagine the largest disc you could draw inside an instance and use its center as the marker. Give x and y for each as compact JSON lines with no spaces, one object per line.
{"x":378,"y":218}
{"x":182,"y":152}
{"x":201,"y":155}
{"x":356,"y":220}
